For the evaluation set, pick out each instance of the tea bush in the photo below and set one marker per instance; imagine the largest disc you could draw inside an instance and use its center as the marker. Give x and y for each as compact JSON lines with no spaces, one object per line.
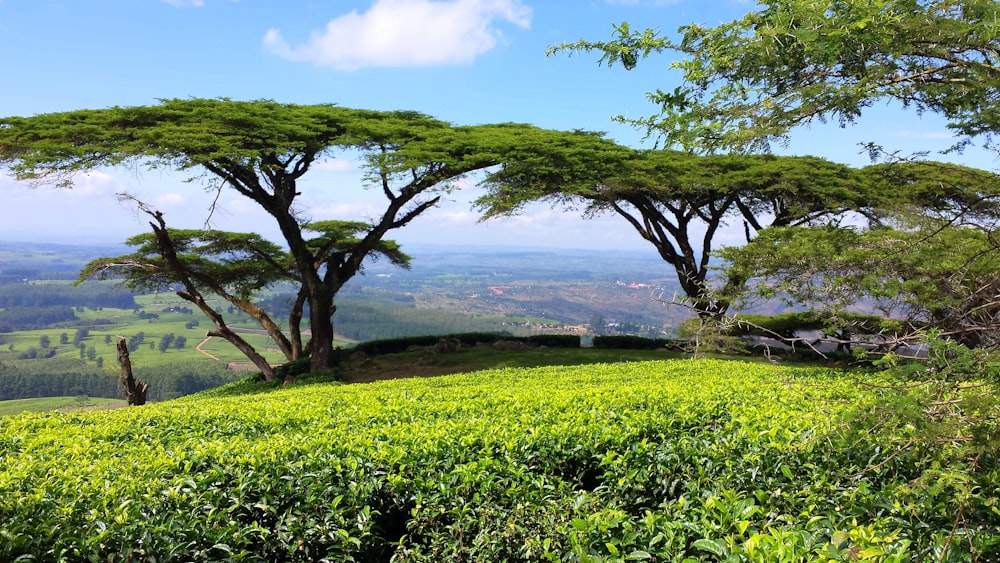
{"x":679,"y":460}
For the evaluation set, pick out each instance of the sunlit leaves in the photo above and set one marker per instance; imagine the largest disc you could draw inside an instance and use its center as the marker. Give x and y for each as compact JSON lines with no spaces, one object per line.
{"x":791,"y":62}
{"x":674,"y":460}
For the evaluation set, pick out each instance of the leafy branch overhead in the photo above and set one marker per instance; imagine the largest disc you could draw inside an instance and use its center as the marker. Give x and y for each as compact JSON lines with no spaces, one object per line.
{"x":746,"y":83}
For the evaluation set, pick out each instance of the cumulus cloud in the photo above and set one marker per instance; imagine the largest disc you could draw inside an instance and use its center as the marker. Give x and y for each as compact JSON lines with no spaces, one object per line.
{"x":337,"y":165}
{"x":400,"y":33}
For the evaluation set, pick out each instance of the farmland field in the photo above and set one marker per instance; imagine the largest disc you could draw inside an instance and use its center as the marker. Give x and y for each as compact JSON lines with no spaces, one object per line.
{"x":17,"y":406}
{"x":674,"y":460}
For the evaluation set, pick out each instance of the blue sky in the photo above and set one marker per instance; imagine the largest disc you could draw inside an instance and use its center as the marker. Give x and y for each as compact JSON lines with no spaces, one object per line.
{"x":463,"y":61}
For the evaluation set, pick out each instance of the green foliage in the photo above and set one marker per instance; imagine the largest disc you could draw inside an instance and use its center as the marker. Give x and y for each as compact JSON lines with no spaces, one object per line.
{"x":670,"y":461}
{"x":942,"y":277}
{"x":37,"y":295}
{"x":32,"y":318}
{"x":552,"y":340}
{"x":180,"y":378}
{"x":61,"y":376}
{"x":712,"y":336}
{"x":791,"y":62}
{"x":396,"y":345}
{"x":261,"y":149}
{"x":66,"y":404}
{"x":949,"y":404}
{"x":291,"y":370}
{"x":241,"y":262}
{"x":54,"y":377}
{"x":796,"y":323}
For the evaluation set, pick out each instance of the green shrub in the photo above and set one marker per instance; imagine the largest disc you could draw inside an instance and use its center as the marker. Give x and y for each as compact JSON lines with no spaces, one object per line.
{"x":397,"y":345}
{"x":552,"y":340}
{"x":293,"y":369}
{"x":678,"y":460}
{"x":629,"y":342}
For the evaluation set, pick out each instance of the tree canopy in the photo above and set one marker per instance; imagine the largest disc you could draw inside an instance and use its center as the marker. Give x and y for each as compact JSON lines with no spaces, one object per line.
{"x":261,"y":149}
{"x":928,"y":258}
{"x":791,"y":62}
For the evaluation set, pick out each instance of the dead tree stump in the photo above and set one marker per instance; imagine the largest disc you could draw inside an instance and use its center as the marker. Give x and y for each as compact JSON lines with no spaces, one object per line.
{"x":135,"y":391}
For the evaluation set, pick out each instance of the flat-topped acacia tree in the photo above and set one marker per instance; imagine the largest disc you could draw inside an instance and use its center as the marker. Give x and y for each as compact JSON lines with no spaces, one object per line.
{"x":233,"y":266}
{"x":261,"y":149}
{"x":679,"y":201}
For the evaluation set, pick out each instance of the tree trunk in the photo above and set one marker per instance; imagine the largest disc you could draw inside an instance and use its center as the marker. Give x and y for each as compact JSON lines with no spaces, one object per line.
{"x":135,"y":391}
{"x":295,"y":324}
{"x":243,"y":346}
{"x":223,"y":331}
{"x":273,"y":330}
{"x":321,"y":325}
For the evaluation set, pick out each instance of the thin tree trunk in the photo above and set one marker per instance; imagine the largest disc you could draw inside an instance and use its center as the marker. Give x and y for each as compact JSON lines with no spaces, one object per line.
{"x":243,"y":346}
{"x":135,"y":391}
{"x":223,"y":331}
{"x":295,"y":324}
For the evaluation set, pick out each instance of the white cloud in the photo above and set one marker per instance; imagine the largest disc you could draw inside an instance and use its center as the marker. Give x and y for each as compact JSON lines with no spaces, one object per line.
{"x":93,"y":182}
{"x":169,"y":199}
{"x":400,"y":33}
{"x":338,"y":165}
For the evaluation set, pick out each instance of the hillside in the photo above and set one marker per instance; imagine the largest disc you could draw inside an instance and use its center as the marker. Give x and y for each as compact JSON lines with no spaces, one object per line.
{"x":674,"y":460}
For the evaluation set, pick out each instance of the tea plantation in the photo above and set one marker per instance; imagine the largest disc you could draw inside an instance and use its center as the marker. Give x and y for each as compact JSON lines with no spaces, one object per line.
{"x":676,"y":460}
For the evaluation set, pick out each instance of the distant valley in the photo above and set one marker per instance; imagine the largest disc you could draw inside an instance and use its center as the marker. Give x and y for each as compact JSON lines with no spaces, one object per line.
{"x":57,"y":338}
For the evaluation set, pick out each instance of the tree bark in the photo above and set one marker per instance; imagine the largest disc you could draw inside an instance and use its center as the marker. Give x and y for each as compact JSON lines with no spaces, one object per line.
{"x":321,"y":327}
{"x":135,"y":391}
{"x":249,"y":351}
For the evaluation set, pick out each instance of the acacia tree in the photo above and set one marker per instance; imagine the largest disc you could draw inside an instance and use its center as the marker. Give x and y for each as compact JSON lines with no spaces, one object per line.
{"x":679,"y":201}
{"x":748,"y":82}
{"x":261,"y":149}
{"x":233,"y":266}
{"x":792,"y":62}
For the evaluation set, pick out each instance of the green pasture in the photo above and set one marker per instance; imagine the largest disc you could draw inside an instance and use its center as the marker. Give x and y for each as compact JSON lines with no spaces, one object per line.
{"x":66,"y":404}
{"x":674,"y":460}
{"x":127,"y":323}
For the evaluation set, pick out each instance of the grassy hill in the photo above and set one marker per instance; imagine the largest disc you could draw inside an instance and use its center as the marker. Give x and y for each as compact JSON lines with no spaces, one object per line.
{"x":672,"y":460}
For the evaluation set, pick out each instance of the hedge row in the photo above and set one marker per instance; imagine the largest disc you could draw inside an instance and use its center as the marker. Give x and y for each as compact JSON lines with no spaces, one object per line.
{"x":628,"y":342}
{"x":397,"y":345}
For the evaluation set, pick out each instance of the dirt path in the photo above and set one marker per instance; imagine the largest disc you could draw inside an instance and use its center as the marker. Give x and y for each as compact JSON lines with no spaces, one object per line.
{"x":207,"y":353}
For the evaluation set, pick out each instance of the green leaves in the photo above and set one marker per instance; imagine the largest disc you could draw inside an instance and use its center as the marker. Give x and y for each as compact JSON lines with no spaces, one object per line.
{"x":748,"y":82}
{"x":673,"y":460}
{"x":261,"y":149}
